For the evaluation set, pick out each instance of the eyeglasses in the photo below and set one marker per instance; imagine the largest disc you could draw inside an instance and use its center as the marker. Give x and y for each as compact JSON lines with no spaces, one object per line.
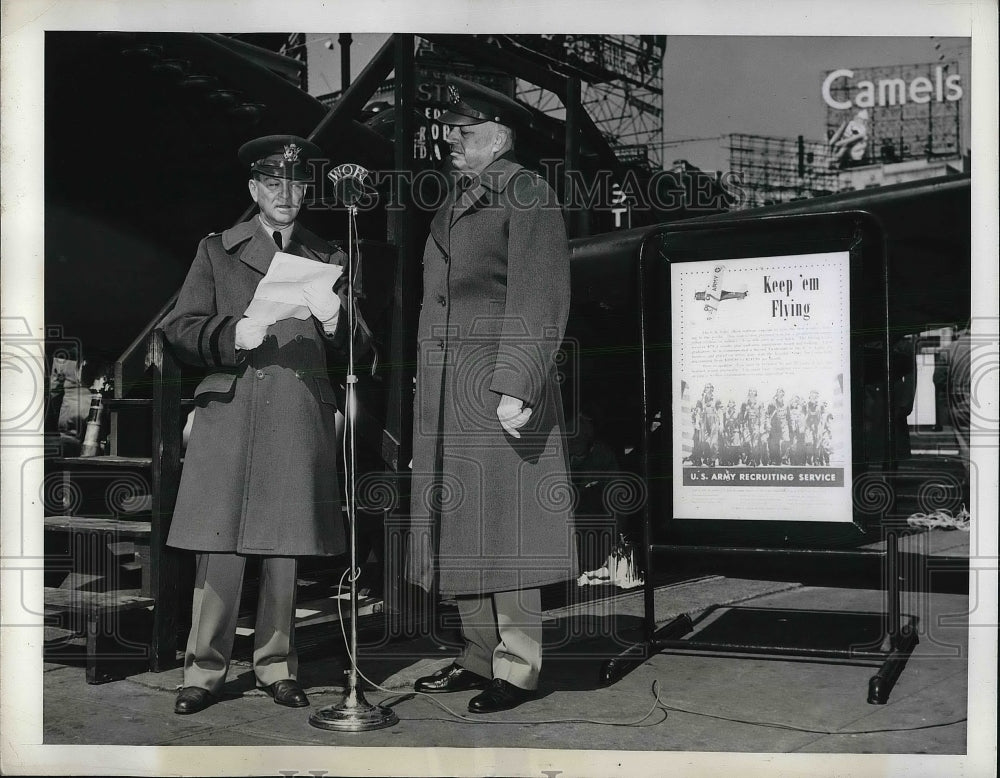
{"x":278,"y":184}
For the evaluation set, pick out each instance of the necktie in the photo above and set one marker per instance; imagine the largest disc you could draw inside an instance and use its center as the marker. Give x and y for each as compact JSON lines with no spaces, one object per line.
{"x":277,"y":238}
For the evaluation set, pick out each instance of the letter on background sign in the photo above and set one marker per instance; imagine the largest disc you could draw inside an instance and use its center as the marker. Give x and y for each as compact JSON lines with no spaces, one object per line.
{"x":866,"y":95}
{"x":828,"y":82}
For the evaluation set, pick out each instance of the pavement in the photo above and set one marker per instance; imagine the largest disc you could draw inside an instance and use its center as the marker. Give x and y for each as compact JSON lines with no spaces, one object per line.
{"x":670,"y":705}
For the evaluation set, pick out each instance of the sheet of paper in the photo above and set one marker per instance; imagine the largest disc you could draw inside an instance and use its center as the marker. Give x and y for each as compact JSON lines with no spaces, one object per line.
{"x":279,"y":294}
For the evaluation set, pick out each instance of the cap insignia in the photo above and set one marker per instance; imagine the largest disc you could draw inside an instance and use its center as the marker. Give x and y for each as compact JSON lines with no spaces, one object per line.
{"x":292,"y":153}
{"x":453,"y":95}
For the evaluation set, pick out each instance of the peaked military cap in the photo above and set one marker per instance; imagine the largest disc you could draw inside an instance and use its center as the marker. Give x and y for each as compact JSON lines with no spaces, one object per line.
{"x":471,"y":103}
{"x":280,"y":156}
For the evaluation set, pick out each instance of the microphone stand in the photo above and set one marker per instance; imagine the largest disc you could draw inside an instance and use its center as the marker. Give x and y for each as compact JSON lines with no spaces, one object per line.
{"x":354,"y":713}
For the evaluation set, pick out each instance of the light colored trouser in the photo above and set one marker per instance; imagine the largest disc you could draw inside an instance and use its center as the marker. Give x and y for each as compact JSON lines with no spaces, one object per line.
{"x":503,"y":636}
{"x":218,"y":583}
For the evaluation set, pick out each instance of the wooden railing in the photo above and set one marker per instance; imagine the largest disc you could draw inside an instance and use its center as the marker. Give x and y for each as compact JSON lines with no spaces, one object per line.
{"x":165,"y":479}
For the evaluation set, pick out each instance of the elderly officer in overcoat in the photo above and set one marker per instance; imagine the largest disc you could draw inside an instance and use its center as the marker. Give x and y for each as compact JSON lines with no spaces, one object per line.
{"x":490,"y":507}
{"x":260,"y":476}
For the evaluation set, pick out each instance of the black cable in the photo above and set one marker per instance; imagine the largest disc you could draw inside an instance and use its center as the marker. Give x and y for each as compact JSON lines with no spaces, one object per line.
{"x":779,"y":725}
{"x":478,"y":720}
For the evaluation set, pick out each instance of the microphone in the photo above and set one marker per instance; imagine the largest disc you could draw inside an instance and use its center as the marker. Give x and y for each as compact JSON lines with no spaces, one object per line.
{"x":350,"y":183}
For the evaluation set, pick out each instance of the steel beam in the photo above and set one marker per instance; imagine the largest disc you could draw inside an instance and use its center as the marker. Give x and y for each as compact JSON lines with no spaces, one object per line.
{"x":521,"y":67}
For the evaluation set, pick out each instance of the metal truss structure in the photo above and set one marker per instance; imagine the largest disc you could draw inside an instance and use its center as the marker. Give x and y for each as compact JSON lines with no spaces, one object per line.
{"x":776,"y":170}
{"x":622,"y":86}
{"x":620,"y":75}
{"x":293,"y":62}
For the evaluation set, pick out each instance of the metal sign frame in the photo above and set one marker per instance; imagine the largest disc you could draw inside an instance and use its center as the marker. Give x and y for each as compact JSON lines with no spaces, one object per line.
{"x":886,"y":638}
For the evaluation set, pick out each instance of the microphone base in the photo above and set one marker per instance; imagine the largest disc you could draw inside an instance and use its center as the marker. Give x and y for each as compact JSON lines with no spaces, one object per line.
{"x":353,"y":714}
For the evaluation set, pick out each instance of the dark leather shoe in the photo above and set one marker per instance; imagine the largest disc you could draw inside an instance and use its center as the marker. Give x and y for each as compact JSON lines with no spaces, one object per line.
{"x":192,"y":699}
{"x":499,"y":695}
{"x":287,"y":693}
{"x":451,"y":679}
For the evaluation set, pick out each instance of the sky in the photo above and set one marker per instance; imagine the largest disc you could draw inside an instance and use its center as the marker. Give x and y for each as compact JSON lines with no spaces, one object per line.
{"x":324,"y":60}
{"x":715,"y":85}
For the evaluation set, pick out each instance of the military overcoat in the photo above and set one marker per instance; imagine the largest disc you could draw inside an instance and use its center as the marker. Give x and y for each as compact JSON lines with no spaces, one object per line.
{"x":260,"y":474}
{"x":491,"y":512}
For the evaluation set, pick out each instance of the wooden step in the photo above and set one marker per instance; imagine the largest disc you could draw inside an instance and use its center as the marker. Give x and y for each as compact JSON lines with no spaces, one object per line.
{"x":319,"y":611}
{"x":121,"y":527}
{"x":122,"y":548}
{"x":58,"y":635}
{"x":123,"y":403}
{"x":134,"y":463}
{"x":100,"y":619}
{"x":117,"y":403}
{"x":62,"y":600}
{"x":108,"y":548}
{"x":139,"y":506}
{"x":77,"y":580}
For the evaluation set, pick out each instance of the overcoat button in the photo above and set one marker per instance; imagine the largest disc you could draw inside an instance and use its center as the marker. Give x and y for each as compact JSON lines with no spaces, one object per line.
{"x":298,"y":374}
{"x":260,"y":373}
{"x":441,"y":299}
{"x":298,"y":338}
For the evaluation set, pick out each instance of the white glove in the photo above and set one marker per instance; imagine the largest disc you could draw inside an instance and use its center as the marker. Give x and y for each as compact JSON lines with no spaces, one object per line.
{"x":512,"y":414}
{"x":323,"y":303}
{"x":250,"y":333}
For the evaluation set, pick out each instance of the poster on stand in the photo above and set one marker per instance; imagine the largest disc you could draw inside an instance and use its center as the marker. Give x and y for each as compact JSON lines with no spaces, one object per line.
{"x":761,"y":388}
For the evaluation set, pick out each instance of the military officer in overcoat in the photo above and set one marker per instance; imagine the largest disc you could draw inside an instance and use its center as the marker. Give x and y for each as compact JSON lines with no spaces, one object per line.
{"x":260,"y":476}
{"x":490,"y":507}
